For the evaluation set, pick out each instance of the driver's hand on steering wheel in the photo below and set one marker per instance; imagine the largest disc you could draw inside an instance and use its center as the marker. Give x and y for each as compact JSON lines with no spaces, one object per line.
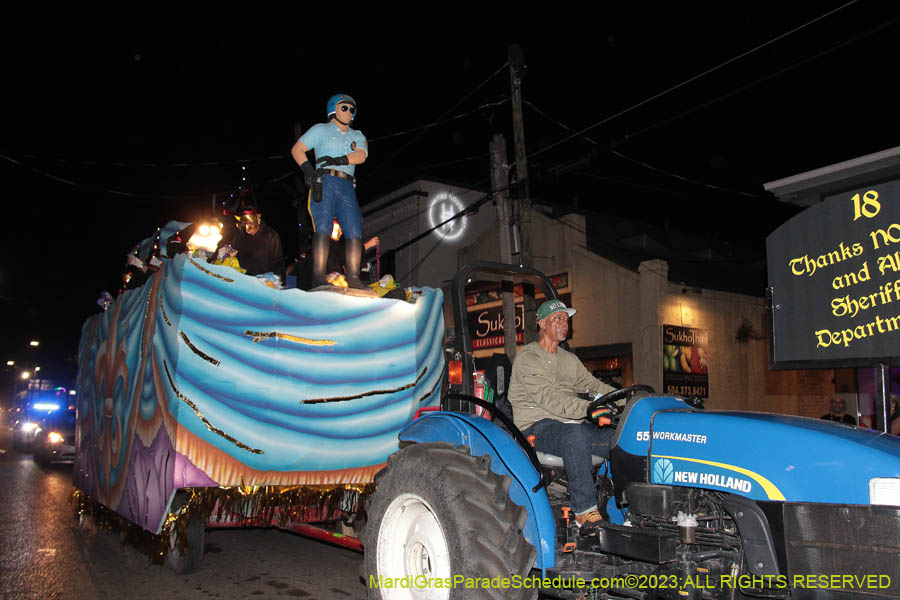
{"x":601,"y":416}
{"x":603,"y":409}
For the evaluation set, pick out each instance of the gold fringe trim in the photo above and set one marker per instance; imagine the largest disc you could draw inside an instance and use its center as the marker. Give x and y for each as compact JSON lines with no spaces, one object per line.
{"x":372,"y":393}
{"x":196,"y":350}
{"x":259,"y":336}
{"x":208,"y":272}
{"x":206,"y":422}
{"x":246,"y":505}
{"x":282,"y":504}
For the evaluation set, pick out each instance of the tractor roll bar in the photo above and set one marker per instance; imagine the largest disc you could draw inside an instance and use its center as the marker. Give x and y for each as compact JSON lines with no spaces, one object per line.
{"x":514,"y":273}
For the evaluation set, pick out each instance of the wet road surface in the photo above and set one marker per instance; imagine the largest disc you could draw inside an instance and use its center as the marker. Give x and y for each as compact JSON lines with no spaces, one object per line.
{"x":44,"y":554}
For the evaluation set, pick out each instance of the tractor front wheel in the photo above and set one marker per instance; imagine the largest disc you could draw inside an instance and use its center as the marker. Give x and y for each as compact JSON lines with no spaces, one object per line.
{"x":440,"y":525}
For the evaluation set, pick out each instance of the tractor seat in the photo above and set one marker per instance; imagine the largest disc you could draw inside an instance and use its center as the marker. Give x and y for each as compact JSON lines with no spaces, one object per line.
{"x":551,"y":460}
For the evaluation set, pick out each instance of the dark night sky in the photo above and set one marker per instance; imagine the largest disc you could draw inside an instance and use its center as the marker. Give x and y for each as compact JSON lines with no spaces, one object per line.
{"x":710,"y":95}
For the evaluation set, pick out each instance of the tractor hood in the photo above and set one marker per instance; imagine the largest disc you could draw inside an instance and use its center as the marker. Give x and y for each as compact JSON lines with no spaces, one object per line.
{"x":763,"y":456}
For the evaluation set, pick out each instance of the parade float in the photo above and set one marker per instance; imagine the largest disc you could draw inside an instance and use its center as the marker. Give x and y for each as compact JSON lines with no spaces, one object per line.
{"x":208,"y":397}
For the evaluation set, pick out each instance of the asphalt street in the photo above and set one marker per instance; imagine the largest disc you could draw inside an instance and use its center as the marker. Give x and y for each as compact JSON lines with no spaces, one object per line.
{"x":45,"y":554}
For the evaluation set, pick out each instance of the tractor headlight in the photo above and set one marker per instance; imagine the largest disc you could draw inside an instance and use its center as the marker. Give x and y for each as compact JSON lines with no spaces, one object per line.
{"x":884,"y":491}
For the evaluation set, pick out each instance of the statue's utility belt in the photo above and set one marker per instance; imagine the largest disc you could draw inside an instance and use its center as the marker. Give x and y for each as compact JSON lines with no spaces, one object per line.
{"x":340,"y":174}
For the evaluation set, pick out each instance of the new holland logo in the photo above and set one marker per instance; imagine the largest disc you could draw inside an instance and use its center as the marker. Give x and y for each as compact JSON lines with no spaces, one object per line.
{"x":663,"y":471}
{"x":713,"y":479}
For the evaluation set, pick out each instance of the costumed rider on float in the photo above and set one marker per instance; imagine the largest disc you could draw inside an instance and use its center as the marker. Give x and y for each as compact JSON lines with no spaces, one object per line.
{"x":543,"y":391}
{"x":332,"y":186}
{"x":258,"y":246}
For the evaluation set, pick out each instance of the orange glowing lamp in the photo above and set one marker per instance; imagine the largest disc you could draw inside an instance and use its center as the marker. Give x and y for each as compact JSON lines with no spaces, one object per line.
{"x":454,"y":372}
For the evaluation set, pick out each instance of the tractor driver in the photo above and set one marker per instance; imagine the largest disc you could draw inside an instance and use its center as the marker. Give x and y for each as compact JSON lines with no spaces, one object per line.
{"x":543,"y":392}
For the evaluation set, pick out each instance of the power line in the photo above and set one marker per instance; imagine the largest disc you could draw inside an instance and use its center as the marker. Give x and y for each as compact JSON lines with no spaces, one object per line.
{"x":472,"y":208}
{"x":634,"y":184}
{"x":466,"y":210}
{"x":127,"y":194}
{"x":647,"y":254}
{"x":100,"y":189}
{"x":702,"y":106}
{"x":439,"y":122}
{"x":629,"y":251}
{"x":240,"y":161}
{"x":738,"y":90}
{"x":424,"y":258}
{"x":439,"y":165}
{"x":416,"y":215}
{"x":449,"y":111}
{"x":690,"y":80}
{"x":642,"y":163}
{"x":156,"y":164}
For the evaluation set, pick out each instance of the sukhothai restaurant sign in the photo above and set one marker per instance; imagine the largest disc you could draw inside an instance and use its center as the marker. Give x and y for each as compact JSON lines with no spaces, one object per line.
{"x":486,"y":322}
{"x":486,"y":326}
{"x":685,"y":361}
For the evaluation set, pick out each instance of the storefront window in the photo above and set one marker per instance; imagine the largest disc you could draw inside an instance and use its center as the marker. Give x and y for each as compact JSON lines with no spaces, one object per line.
{"x":871,"y":413}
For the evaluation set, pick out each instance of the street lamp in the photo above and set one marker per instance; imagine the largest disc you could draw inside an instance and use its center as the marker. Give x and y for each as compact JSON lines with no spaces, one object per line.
{"x":25,"y":374}
{"x":34,"y":370}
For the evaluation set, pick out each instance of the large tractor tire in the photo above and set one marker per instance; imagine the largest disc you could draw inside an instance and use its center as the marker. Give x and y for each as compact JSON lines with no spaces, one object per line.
{"x":439,"y":513}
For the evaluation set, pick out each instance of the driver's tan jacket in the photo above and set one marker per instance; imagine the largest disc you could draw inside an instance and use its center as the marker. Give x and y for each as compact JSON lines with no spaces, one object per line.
{"x":543,"y":385}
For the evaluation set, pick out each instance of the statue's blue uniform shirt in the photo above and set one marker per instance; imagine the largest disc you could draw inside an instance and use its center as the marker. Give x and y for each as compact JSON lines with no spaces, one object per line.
{"x":338,"y":195}
{"x":327,"y":139}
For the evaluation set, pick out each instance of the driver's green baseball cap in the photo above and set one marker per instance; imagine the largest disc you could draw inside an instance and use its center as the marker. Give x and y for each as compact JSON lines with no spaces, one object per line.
{"x":551,"y":306}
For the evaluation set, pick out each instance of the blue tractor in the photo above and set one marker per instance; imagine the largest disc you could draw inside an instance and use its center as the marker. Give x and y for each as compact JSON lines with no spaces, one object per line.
{"x":698,"y":504}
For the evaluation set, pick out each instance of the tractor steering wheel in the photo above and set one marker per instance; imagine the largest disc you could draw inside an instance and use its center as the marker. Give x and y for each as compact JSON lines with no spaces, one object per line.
{"x":609,"y":399}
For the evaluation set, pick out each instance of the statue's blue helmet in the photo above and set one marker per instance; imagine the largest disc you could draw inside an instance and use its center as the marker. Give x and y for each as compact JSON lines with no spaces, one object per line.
{"x":331,"y":106}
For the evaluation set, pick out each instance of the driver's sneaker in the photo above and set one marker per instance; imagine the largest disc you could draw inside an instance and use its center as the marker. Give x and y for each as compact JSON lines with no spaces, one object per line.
{"x":589,"y":522}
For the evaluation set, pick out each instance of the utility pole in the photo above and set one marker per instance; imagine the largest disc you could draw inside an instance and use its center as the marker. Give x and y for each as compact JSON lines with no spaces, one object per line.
{"x":522,"y":197}
{"x":500,"y":186}
{"x":520,"y":183}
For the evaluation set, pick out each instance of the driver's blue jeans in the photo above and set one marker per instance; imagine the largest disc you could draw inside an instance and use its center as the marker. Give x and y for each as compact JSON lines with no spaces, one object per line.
{"x":574,"y":443}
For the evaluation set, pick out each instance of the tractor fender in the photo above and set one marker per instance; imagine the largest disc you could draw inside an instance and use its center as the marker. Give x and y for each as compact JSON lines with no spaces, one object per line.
{"x":483,"y":437}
